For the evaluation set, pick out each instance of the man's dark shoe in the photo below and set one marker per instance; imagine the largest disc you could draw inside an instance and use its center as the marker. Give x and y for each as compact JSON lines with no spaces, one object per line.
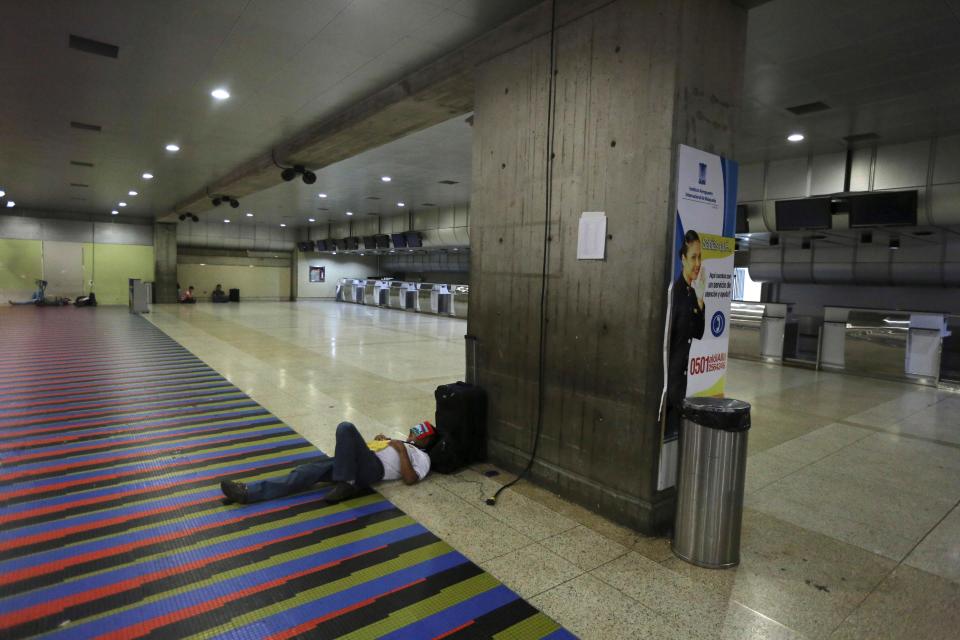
{"x":340,"y":492}
{"x":235,"y":491}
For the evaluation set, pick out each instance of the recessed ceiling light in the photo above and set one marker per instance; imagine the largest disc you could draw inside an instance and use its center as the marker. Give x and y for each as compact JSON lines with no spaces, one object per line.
{"x":361,"y":254}
{"x":401,"y":204}
{"x":311,"y":220}
{"x":334,"y":253}
{"x":132,"y":193}
{"x":226,"y":220}
{"x":2,"y":193}
{"x":114,"y":212}
{"x":122,"y":204}
{"x":282,"y":224}
{"x":220,"y":93}
{"x":321,"y":195}
{"x":385,"y":178}
{"x":147,"y":176}
{"x":349,"y":213}
{"x":173,"y":147}
{"x":249,"y":215}
{"x":203,"y":264}
{"x":11,"y":204}
{"x":795,"y":137}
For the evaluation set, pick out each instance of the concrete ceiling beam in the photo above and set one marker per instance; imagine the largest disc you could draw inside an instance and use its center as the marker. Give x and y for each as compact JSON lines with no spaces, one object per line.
{"x":426,"y":97}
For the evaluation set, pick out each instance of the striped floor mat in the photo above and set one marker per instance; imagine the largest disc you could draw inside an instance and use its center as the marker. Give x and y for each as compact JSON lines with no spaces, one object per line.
{"x":113,"y":439}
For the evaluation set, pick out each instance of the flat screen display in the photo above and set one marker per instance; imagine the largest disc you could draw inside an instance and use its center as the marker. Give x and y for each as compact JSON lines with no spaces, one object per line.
{"x":414,"y":239}
{"x":382,"y":241}
{"x":800,"y":215}
{"x":399,"y":240}
{"x":352,"y":242}
{"x":878,"y":209}
{"x":369,"y":242}
{"x":321,"y":245}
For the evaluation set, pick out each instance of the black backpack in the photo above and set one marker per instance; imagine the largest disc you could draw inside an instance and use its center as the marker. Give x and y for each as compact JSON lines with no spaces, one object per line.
{"x":461,"y":423}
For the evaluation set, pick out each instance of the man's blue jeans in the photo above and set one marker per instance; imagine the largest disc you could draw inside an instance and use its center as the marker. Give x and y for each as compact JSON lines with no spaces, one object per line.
{"x":352,"y":462}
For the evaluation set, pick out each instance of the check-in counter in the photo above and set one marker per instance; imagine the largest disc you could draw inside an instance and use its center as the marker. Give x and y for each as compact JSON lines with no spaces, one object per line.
{"x":347,"y":289}
{"x":460,"y":301}
{"x":757,"y":330}
{"x":882,"y":343}
{"x":441,"y":299}
{"x":359,"y":289}
{"x":375,"y":292}
{"x":402,"y":295}
{"x":424,"y":297}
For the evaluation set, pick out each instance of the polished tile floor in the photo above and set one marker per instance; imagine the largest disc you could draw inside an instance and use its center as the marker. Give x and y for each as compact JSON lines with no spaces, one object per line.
{"x":851,"y":527}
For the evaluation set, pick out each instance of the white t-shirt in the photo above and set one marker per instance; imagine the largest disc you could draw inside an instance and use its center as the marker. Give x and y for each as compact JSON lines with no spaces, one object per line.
{"x":419,"y":460}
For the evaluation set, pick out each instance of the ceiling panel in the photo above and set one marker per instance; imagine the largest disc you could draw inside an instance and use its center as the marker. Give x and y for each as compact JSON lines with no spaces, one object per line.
{"x":287,"y":64}
{"x":884,"y":66}
{"x":889,"y":67}
{"x":416,"y":164}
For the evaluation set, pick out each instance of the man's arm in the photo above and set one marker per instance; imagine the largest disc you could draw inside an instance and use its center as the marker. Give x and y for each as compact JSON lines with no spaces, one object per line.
{"x":407,"y":474}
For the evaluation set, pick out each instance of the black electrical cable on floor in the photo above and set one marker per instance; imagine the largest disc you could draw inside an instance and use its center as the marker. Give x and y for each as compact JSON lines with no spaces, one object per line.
{"x":548,"y":193}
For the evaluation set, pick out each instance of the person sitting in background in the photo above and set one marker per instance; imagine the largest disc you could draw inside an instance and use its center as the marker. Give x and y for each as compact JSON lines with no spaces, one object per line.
{"x":187,"y":297}
{"x":219,"y":295}
{"x":353,"y":467}
{"x":37,"y":297}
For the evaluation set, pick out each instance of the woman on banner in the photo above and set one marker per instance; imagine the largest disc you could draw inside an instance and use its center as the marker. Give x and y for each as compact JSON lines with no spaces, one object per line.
{"x":686,"y":325}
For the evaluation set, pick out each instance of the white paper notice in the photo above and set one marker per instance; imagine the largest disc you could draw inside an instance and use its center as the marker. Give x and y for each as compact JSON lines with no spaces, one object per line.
{"x":592,"y":240}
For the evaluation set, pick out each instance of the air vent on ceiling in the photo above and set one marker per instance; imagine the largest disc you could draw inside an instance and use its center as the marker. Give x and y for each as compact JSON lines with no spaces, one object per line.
{"x":448,"y":182}
{"x":78,"y":163}
{"x":79,"y":184}
{"x":322,"y":209}
{"x":85,"y":126}
{"x":77,"y":198}
{"x":861,"y":137}
{"x":427,"y":204}
{"x":372,"y":213}
{"x":372,"y":198}
{"x":810,"y":107}
{"x":94,"y":46}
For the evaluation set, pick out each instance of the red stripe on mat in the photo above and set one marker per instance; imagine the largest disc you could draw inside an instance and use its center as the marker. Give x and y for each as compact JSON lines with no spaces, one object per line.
{"x":56,"y":606}
{"x":310,"y":624}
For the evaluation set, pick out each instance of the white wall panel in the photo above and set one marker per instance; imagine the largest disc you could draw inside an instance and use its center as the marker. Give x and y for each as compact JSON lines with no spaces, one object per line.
{"x":826,"y":173}
{"x":946,"y":166}
{"x":20,"y":228}
{"x":860,"y":169}
{"x":68,"y":230}
{"x":750,"y":182}
{"x":786,"y":179}
{"x":110,"y":233}
{"x":902,"y":165}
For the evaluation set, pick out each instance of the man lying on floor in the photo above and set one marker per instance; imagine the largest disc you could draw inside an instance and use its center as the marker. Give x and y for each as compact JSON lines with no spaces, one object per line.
{"x":353,"y":467}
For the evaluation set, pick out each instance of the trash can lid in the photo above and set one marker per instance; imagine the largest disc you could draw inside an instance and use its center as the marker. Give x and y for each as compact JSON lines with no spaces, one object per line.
{"x":725,"y":414}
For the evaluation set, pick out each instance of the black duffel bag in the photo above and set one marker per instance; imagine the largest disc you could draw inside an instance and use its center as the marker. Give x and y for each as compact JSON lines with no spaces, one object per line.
{"x":461,"y":422}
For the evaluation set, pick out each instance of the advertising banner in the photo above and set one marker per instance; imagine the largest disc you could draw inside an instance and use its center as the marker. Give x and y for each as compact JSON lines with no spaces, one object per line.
{"x":696,"y":335}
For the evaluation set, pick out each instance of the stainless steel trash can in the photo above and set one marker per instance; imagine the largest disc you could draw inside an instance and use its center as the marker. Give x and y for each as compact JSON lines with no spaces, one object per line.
{"x":713,"y":463}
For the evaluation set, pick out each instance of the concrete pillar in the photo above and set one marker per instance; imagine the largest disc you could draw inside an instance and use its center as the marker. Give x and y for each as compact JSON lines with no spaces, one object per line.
{"x":634,"y":78}
{"x":165,"y":256}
